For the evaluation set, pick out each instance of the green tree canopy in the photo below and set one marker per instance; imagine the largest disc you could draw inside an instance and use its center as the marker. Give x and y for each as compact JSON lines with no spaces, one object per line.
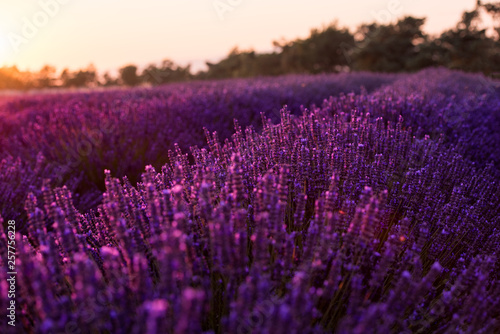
{"x":390,"y":48}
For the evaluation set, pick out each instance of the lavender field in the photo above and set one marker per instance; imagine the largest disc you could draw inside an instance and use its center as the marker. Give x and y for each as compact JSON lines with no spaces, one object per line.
{"x":345,"y":203}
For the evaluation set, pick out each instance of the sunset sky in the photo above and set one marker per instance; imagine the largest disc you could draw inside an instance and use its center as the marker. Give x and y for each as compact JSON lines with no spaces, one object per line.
{"x":112,"y":33}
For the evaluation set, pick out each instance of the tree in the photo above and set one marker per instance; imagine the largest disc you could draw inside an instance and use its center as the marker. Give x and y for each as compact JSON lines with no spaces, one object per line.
{"x":81,"y":78}
{"x":236,"y":64}
{"x":390,"y":48}
{"x":469,"y":48}
{"x":128,"y":75}
{"x":493,"y":9}
{"x":108,"y":80}
{"x":46,"y":77}
{"x":12,"y":78}
{"x":320,"y":52}
{"x":167,"y":72}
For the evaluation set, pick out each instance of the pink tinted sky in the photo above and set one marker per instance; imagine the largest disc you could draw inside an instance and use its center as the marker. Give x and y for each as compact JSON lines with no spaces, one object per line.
{"x":112,"y":33}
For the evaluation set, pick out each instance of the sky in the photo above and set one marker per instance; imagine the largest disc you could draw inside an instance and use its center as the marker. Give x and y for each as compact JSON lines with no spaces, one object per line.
{"x":112,"y":33}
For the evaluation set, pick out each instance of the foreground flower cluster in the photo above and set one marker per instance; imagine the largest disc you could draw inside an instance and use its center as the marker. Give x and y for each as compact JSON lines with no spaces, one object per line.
{"x":330,"y":221}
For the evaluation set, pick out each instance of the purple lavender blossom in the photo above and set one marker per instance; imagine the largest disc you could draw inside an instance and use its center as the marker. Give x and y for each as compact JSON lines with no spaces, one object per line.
{"x":369,"y":213}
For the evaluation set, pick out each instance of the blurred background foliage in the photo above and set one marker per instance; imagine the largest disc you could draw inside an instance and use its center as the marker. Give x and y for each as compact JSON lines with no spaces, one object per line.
{"x":397,"y":47}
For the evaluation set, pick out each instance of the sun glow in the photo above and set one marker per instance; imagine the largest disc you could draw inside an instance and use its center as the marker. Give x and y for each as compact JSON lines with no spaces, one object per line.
{"x":5,"y":49}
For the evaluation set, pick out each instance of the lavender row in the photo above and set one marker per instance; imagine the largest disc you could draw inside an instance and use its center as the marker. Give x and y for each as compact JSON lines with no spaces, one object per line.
{"x":464,"y":108}
{"x":320,"y":223}
{"x":80,"y":135}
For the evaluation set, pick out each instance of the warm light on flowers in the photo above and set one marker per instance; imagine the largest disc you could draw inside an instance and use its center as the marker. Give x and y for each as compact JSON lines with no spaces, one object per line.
{"x":370,"y":211}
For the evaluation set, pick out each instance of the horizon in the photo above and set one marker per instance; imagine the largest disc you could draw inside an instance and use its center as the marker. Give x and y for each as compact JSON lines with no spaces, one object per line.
{"x":58,"y":32}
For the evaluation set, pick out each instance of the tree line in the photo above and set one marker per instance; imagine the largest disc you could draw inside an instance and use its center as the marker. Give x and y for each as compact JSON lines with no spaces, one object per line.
{"x":395,"y":47}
